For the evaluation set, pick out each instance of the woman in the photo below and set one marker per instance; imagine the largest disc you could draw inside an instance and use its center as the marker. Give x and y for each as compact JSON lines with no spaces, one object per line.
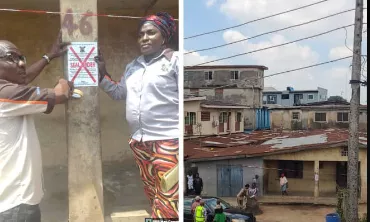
{"x":283,"y":184}
{"x":150,"y":87}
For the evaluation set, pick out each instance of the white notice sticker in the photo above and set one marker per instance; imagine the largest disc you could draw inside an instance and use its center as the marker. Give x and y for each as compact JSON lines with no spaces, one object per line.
{"x":82,"y":68}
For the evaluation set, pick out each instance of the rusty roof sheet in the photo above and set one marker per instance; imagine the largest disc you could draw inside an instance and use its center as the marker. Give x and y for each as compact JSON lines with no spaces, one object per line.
{"x":259,"y":143}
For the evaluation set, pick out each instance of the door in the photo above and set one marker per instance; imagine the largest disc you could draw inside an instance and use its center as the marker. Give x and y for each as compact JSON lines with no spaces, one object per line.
{"x":238,"y":120}
{"x":223,"y":118}
{"x":229,"y":180}
{"x":228,"y":121}
{"x":297,"y":98}
{"x":341,"y":174}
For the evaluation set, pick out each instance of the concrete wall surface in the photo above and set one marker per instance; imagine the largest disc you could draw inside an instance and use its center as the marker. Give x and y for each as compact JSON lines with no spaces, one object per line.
{"x":327,"y":181}
{"x":208,"y":172}
{"x":34,"y":35}
{"x":283,"y":118}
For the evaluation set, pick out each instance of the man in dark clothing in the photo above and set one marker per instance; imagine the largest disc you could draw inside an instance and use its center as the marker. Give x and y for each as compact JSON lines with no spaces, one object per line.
{"x":198,"y":184}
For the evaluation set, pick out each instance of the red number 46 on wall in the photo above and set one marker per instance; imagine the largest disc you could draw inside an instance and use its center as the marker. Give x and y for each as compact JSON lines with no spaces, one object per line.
{"x":84,"y":26}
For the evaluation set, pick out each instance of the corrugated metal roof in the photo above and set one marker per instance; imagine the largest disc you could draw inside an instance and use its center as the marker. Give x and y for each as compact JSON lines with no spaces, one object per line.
{"x":260,"y":143}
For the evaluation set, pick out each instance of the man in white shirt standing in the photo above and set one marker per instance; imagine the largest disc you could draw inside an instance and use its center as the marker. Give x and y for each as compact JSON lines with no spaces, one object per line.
{"x":21,"y":182}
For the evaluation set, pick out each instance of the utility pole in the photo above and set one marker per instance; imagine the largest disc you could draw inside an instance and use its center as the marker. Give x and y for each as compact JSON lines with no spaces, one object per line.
{"x":353,"y":143}
{"x":85,"y":186}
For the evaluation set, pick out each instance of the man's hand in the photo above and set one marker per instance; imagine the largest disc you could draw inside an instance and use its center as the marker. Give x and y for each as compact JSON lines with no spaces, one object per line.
{"x":63,"y":91}
{"x":59,"y":48}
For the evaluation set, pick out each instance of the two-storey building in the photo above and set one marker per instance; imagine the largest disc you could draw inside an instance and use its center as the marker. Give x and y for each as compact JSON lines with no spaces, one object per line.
{"x":291,"y":97}
{"x":236,"y":84}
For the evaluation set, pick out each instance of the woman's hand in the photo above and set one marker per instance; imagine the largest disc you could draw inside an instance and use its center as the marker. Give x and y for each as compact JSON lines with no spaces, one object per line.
{"x":101,"y":65}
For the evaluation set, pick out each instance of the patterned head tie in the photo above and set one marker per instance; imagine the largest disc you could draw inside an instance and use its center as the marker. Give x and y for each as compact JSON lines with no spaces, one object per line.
{"x":164,"y":22}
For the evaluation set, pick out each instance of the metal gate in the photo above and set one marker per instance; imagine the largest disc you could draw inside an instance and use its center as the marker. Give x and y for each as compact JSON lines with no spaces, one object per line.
{"x":229,"y":180}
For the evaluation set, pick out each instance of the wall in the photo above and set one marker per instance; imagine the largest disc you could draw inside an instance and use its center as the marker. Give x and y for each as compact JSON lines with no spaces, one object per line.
{"x":283,"y":118}
{"x":34,"y":35}
{"x":208,"y":172}
{"x":324,"y":154}
{"x":207,"y":126}
{"x":323,"y":94}
{"x":196,"y":79}
{"x":290,"y":101}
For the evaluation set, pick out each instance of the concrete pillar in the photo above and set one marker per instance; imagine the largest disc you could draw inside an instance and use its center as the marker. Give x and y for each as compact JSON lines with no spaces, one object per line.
{"x":363,"y":174}
{"x":85,"y":187}
{"x":316,"y":178}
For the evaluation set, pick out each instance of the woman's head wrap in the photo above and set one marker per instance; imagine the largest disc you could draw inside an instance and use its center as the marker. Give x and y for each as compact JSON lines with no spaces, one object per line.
{"x":164,"y":22}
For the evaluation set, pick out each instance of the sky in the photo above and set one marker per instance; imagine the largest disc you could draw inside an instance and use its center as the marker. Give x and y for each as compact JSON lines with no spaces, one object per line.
{"x":208,"y":15}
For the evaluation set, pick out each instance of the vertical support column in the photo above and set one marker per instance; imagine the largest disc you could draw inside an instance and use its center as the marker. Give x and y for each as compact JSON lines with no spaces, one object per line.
{"x":363,"y":175}
{"x":85,"y":187}
{"x":316,"y":178}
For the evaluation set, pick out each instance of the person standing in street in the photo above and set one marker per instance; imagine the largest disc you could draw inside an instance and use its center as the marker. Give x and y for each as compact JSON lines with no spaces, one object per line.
{"x":283,"y":184}
{"x":150,"y":88}
{"x":21,"y":174}
{"x":195,"y":204}
{"x":200,"y":213}
{"x":219,"y":214}
{"x":197,"y":184}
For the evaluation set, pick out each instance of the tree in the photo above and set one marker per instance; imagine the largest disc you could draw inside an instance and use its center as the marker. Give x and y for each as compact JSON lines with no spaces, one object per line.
{"x":336,"y":99}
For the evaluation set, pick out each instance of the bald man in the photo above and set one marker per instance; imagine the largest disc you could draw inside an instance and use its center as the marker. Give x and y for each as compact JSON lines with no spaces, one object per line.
{"x":21,"y":186}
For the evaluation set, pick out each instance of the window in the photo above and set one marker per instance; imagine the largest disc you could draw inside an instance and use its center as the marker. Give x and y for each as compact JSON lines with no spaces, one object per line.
{"x":285,"y":96}
{"x":223,"y":117}
{"x":234,"y":74}
{"x":310,"y":96}
{"x":205,"y":116}
{"x":291,"y":169}
{"x":190,"y":118}
{"x":208,"y":75}
{"x":239,"y":117}
{"x":264,"y":99}
{"x":295,"y":115}
{"x":321,"y":165}
{"x":342,"y":117}
{"x":344,"y":151}
{"x":320,"y":117}
{"x":271,"y":99}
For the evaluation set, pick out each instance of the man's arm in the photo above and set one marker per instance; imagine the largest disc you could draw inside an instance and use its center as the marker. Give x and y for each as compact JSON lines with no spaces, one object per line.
{"x":20,"y":100}
{"x":58,"y":49}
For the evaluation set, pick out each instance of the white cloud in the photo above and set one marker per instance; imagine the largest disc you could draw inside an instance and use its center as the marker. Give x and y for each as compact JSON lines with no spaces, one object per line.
{"x":210,"y":3}
{"x":195,"y":59}
{"x":340,"y":52}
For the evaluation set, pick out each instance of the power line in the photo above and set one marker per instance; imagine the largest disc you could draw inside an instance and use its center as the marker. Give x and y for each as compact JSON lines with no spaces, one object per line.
{"x":255,"y":20}
{"x":274,"y":46}
{"x":280,"y":73}
{"x":270,"y":32}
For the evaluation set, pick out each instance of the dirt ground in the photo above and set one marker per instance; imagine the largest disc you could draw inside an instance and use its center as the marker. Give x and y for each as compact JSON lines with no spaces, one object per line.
{"x":295,"y":213}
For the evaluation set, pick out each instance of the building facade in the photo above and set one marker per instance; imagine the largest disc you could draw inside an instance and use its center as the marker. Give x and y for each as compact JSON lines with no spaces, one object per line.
{"x":314,"y":117}
{"x":231,"y":84}
{"x":202,"y":117}
{"x":315,"y":163}
{"x":291,"y":97}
